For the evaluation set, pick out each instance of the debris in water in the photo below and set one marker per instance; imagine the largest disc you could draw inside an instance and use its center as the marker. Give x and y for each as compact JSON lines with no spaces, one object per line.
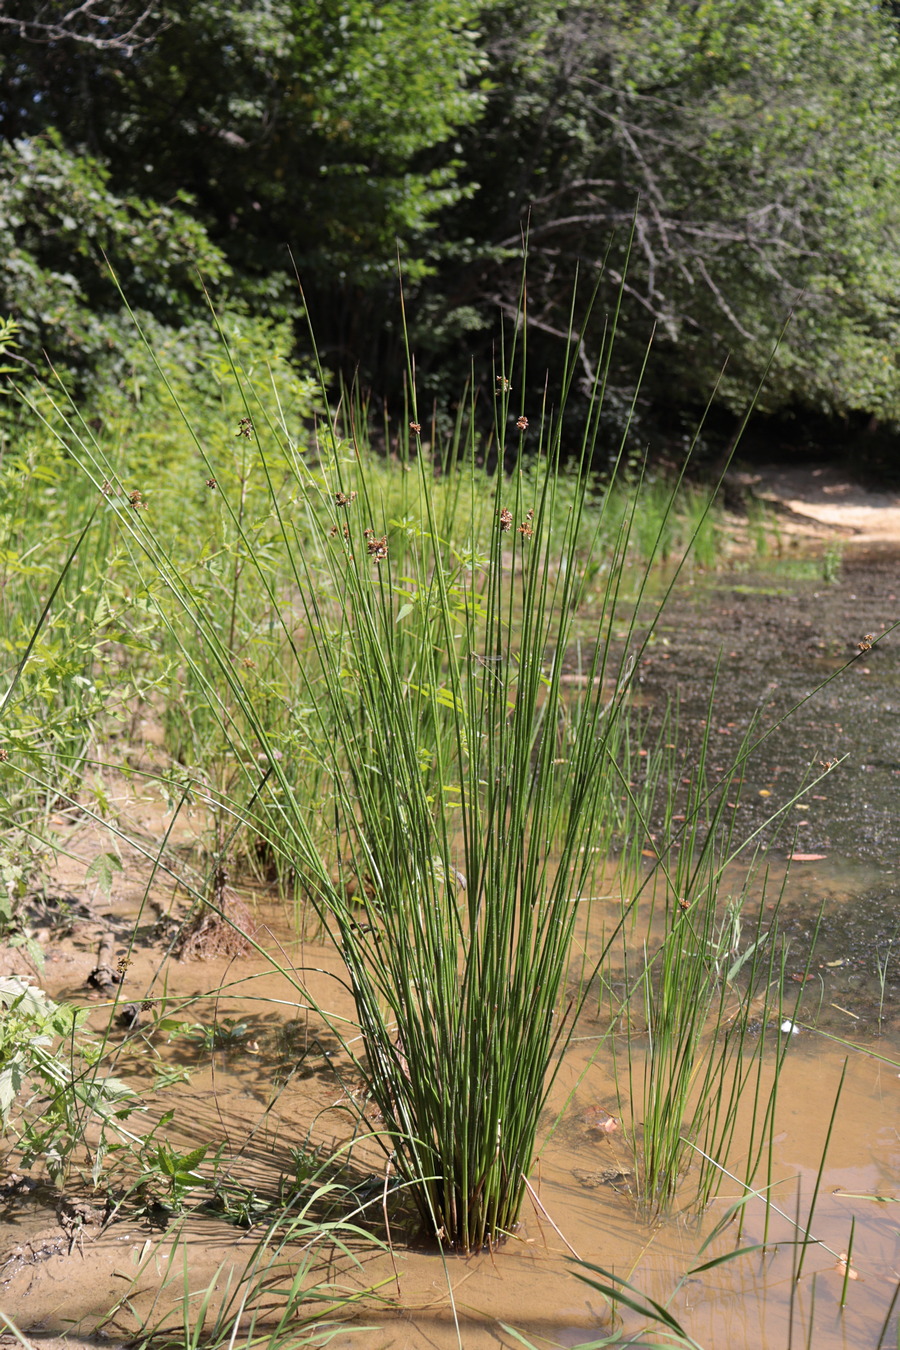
{"x":597,"y":1119}
{"x":807,"y":857}
{"x":617,"y":1177}
{"x":789,"y":1029}
{"x":842,"y":1267}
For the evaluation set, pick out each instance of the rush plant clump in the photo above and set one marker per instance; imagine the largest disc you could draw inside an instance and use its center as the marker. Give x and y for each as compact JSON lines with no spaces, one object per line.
{"x":404,"y":738}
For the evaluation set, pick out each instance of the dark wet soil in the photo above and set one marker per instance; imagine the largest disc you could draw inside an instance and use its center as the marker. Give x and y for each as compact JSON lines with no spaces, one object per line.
{"x":786,"y":645}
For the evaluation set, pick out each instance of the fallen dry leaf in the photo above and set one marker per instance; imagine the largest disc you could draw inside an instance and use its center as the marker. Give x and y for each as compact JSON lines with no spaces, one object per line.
{"x":597,"y":1119}
{"x":807,"y":857}
{"x":842,"y":1268}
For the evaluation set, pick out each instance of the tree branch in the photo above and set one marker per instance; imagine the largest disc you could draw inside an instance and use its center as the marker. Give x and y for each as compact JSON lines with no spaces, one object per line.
{"x":115,"y":27}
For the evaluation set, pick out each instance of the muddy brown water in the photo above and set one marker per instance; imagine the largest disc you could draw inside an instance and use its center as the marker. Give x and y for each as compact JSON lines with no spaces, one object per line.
{"x":284,"y":1080}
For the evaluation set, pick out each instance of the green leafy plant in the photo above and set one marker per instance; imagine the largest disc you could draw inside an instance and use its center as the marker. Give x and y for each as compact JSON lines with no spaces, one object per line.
{"x":224,"y":1035}
{"x":167,"y":1177}
{"x":51,"y":1085}
{"x":832,"y":562}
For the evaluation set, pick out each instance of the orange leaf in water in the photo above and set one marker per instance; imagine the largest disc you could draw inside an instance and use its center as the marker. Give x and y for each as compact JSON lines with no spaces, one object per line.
{"x":597,"y":1119}
{"x":842,"y":1268}
{"x":807,"y":857}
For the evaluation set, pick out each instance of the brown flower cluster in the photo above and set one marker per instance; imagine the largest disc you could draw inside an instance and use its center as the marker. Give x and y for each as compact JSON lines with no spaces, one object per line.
{"x":506,"y":519}
{"x":525,"y":529}
{"x":344,"y":498}
{"x":245,"y":428}
{"x":378,"y":548}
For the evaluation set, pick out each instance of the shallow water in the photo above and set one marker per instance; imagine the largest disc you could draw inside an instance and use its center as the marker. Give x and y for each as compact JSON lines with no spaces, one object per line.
{"x":775,"y":636}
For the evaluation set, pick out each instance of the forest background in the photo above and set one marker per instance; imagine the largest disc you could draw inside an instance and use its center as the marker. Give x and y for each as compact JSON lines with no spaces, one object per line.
{"x":743,"y":156}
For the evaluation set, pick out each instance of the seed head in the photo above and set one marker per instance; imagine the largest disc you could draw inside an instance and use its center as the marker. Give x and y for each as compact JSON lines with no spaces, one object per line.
{"x":522,"y":423}
{"x":245,"y":428}
{"x":211,"y":484}
{"x":343,"y":499}
{"x":4,"y":756}
{"x":136,"y":501}
{"x":416,"y":427}
{"x":506,"y":519}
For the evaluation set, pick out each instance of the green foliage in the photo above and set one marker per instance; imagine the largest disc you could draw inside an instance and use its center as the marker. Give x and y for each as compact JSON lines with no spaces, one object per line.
{"x":50,"y":1082}
{"x":102,"y":870}
{"x":751,"y":150}
{"x":60,"y":220}
{"x":9,"y":333}
{"x":165,"y":1178}
{"x":22,"y":862}
{"x":70,"y":688}
{"x":225,"y":1035}
{"x":15,"y":871}
{"x":316,"y":127}
{"x":59,"y":633}
{"x":755,"y":150}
